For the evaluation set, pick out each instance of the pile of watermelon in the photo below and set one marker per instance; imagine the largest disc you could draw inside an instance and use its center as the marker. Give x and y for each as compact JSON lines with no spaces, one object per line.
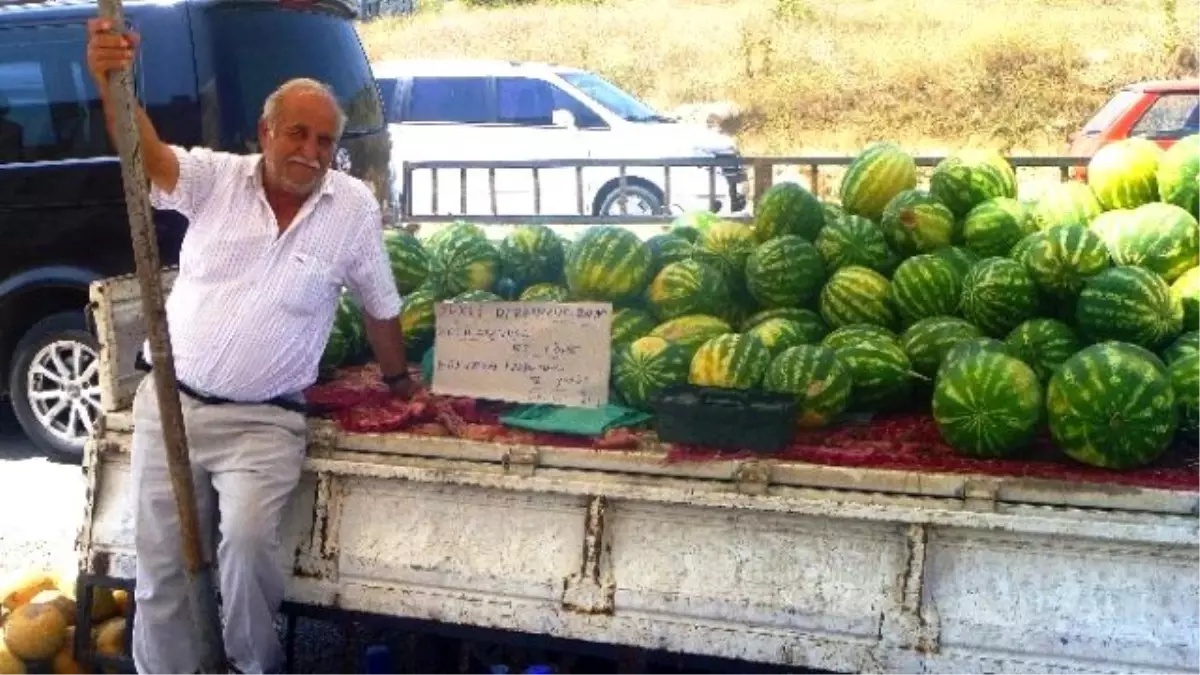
{"x":1075,"y":313}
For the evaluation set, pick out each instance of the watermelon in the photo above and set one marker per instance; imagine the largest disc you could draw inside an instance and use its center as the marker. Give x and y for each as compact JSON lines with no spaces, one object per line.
{"x":1188,"y":342}
{"x":463,"y":263}
{"x":788,"y":209}
{"x":925,"y":285}
{"x":878,"y":174}
{"x":854,"y":240}
{"x":459,"y":229}
{"x":508,"y":289}
{"x":1062,"y":260}
{"x":336,"y":353}
{"x":608,"y":263}
{"x":967,"y":178}
{"x":545,"y":293}
{"x":1178,"y":175}
{"x":476,"y":296}
{"x":668,"y":248}
{"x":692,"y":224}
{"x":1187,"y":289}
{"x":531,"y":254}
{"x":691,"y":331}
{"x":857,"y":295}
{"x":1184,"y":373}
{"x":1111,"y":226}
{"x":1024,"y":248}
{"x":967,"y":347}
{"x":987,"y":404}
{"x":812,"y":327}
{"x":630,"y":324}
{"x":848,"y":335}
{"x":417,"y":319}
{"x":1161,"y":237}
{"x":879,"y":369}
{"x":833,"y":211}
{"x":995,"y":226}
{"x":927,"y":341}
{"x":1111,"y":405}
{"x":348,"y":320}
{"x":818,"y":380}
{"x":732,"y":361}
{"x":687,"y":287}
{"x":997,"y":295}
{"x":727,"y":245}
{"x":1123,"y":174}
{"x":643,"y":368}
{"x":1044,"y":344}
{"x":960,"y":258}
{"x":778,"y":334}
{"x":915,"y":222}
{"x":1129,"y":304}
{"x":786,"y":271}
{"x":1069,"y":203}
{"x":408,"y":259}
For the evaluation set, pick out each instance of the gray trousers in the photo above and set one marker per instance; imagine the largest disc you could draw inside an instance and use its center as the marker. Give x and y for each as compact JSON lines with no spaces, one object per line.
{"x":246,"y":462}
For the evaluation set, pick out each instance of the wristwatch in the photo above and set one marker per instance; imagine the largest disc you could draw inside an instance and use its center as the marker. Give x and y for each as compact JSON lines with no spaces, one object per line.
{"x":392,"y":380}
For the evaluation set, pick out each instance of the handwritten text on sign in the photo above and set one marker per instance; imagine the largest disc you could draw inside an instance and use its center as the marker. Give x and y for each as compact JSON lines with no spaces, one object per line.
{"x":524,"y":352}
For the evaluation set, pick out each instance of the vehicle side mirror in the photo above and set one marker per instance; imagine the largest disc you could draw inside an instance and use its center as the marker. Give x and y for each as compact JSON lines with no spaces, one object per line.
{"x":564,"y":119}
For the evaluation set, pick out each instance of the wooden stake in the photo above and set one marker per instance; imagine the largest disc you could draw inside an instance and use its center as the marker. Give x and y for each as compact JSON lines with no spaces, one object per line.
{"x":201,"y":587}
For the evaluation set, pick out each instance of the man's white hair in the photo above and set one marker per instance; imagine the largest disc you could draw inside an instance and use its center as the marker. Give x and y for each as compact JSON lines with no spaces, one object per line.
{"x":271,"y":106}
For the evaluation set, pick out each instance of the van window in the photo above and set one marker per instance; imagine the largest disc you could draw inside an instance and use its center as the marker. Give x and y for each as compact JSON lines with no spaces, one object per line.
{"x":532,"y":102}
{"x":49,"y":108}
{"x":256,"y":49}
{"x":463,"y":100}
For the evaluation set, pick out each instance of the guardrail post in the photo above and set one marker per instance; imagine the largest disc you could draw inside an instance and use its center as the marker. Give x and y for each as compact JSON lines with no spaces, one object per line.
{"x":764,"y":176}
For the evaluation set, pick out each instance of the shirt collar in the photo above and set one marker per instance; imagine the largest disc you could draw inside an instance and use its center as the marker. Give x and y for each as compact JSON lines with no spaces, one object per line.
{"x":253,"y":173}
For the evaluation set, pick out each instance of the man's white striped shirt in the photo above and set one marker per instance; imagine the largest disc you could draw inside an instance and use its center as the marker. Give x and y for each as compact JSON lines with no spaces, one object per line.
{"x":251,"y":309}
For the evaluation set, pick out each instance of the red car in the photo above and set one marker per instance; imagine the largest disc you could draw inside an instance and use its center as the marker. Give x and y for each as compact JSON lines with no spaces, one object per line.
{"x":1163,"y":111}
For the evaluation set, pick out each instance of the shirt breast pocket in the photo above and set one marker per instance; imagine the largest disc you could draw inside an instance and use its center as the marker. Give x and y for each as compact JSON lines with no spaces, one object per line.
{"x":307,"y":284}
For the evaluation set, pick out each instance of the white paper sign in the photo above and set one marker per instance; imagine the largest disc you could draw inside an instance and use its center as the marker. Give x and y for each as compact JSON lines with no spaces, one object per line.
{"x":524,"y":352}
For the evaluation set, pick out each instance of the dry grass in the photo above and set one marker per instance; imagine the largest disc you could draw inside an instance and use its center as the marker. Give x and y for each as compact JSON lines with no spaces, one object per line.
{"x":812,"y":76}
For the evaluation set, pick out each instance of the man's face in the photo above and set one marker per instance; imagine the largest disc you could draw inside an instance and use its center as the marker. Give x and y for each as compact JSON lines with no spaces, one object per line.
{"x":298,"y":143}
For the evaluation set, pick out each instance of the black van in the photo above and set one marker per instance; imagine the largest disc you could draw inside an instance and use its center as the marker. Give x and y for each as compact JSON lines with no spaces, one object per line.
{"x":204,"y":71}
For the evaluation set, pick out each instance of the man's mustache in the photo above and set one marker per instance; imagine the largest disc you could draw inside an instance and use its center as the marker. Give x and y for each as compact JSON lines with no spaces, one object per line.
{"x":310,"y":163}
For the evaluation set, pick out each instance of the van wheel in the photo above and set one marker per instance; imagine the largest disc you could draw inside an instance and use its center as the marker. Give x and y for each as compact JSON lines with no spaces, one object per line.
{"x":640,"y":200}
{"x":55,"y":385}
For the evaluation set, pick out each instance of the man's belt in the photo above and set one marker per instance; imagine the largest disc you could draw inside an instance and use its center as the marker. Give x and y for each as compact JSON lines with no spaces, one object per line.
{"x":291,"y":404}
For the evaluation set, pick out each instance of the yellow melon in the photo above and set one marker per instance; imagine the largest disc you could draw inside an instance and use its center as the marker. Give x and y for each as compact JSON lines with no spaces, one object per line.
{"x":121,"y":597}
{"x":104,"y":606}
{"x":64,"y":662}
{"x":110,"y":638}
{"x":9,"y":663}
{"x":59,"y":601}
{"x":20,"y":589}
{"x":34,"y":632}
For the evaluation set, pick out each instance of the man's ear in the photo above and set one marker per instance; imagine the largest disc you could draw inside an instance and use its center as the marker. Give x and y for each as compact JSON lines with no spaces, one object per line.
{"x":264,"y":132}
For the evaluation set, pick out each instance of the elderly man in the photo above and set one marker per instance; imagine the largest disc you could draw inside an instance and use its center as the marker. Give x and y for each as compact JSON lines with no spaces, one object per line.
{"x":271,"y":240}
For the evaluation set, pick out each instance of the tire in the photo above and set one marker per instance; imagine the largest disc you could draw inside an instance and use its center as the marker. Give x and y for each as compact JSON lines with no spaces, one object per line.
{"x":62,"y":344}
{"x":641,"y":199}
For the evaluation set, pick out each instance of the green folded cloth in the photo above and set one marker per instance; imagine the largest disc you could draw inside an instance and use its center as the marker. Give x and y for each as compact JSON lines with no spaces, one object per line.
{"x":557,"y":419}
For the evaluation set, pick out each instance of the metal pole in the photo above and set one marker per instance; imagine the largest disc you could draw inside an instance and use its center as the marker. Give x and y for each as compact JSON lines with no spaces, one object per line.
{"x":201,"y":588}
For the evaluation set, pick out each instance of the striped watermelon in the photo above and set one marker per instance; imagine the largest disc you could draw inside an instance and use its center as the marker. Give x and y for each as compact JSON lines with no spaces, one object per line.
{"x":967,"y":178}
{"x":960,"y":258}
{"x":1187,"y":289}
{"x":459,"y":229}
{"x":463,"y":263}
{"x":997,"y":295}
{"x":643,"y":368}
{"x":848,"y":335}
{"x":879,"y":370}
{"x":1111,"y":226}
{"x":608,"y":263}
{"x":531,"y":254}
{"x":692,"y":224}
{"x":545,"y":293}
{"x":1111,"y":405}
{"x":1184,"y":373}
{"x":778,"y":334}
{"x":833,"y":211}
{"x":687,"y":287}
{"x":1188,"y":342}
{"x":1062,"y":260}
{"x":1044,"y":344}
{"x":408,"y":259}
{"x":786,"y":271}
{"x":812,"y":326}
{"x":987,"y":404}
{"x":857,"y":295}
{"x":668,"y":248}
{"x":1161,"y":237}
{"x":1124,"y":174}
{"x":508,"y":289}
{"x":728,"y":244}
{"x":993,"y":227}
{"x":348,"y":321}
{"x":417,"y":319}
{"x":915,"y":222}
{"x":1129,"y":304}
{"x":733,"y":361}
{"x":630,"y":324}
{"x":818,"y":380}
{"x":927,"y":341}
{"x":788,"y":208}
{"x":1069,"y":203}
{"x":1024,"y":248}
{"x":968,"y":347}
{"x":925,"y":285}
{"x":691,"y":331}
{"x":878,"y":174}
{"x":1178,"y":175}
{"x":476,"y":296}
{"x":854,"y":240}
{"x":338,"y":350}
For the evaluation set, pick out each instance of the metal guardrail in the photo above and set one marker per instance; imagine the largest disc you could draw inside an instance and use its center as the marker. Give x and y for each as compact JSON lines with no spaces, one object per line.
{"x":732,"y":168}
